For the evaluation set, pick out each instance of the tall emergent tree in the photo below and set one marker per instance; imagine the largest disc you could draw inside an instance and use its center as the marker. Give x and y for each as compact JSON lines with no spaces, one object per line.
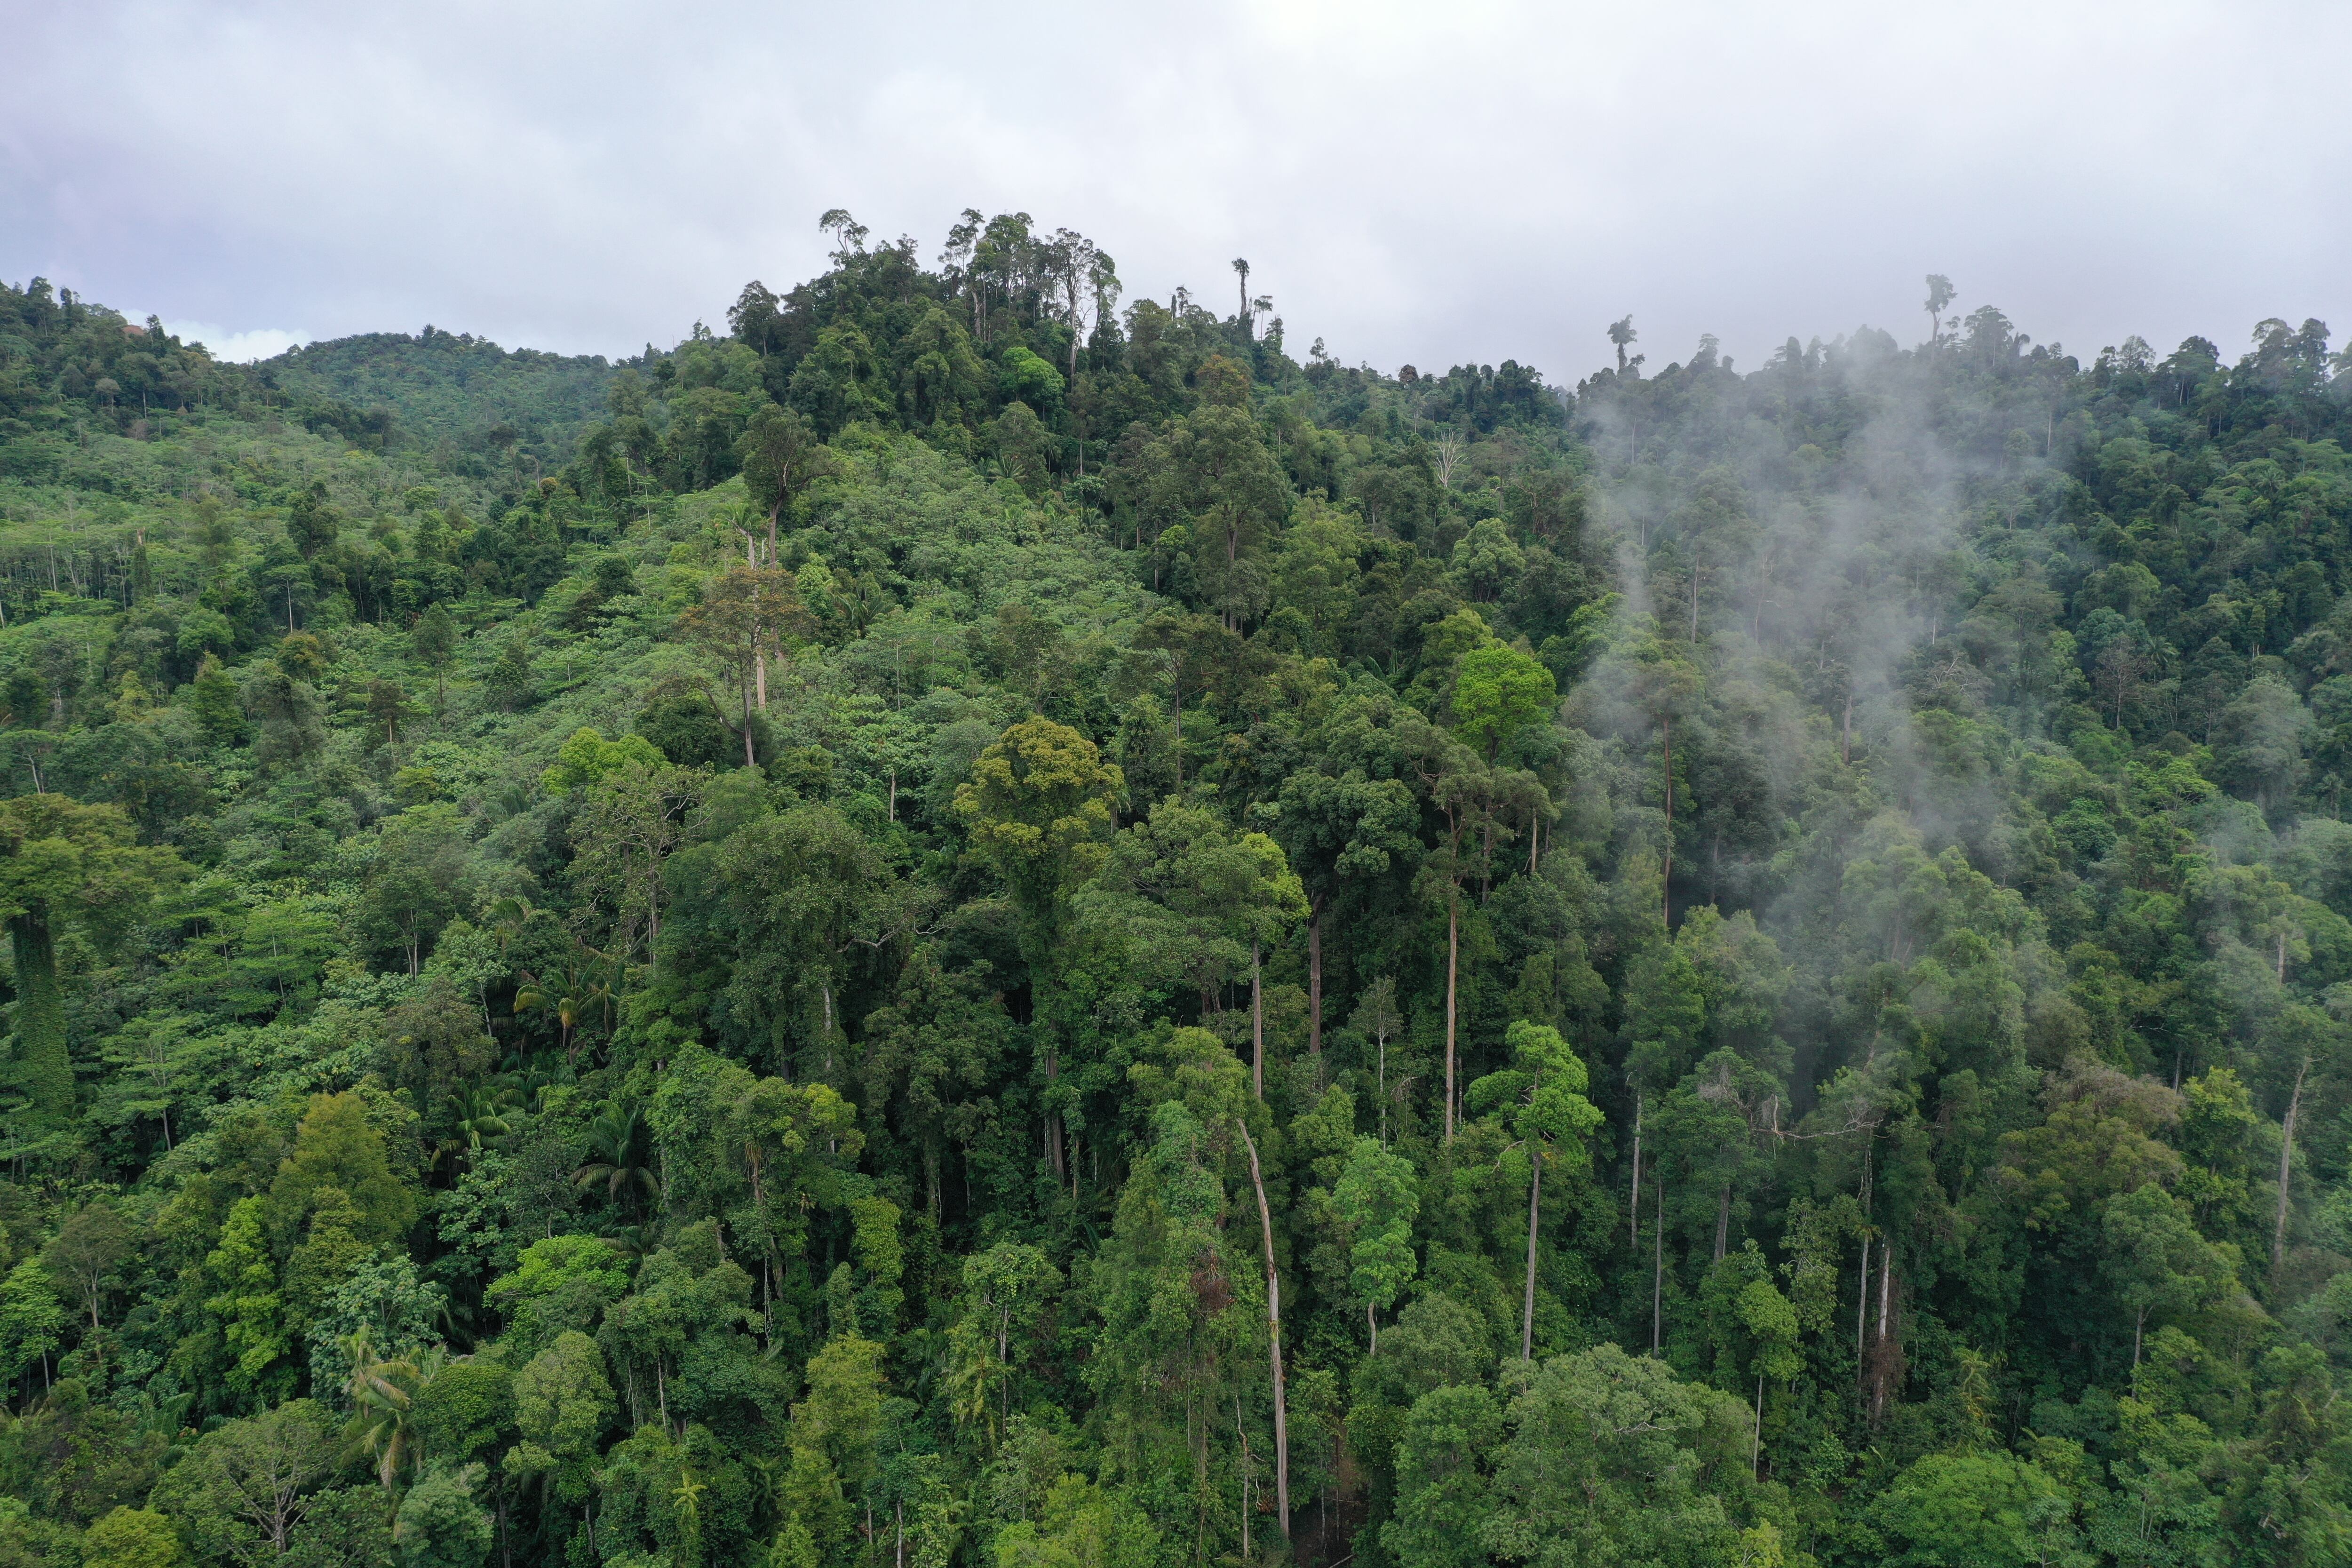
{"x":64,"y":864}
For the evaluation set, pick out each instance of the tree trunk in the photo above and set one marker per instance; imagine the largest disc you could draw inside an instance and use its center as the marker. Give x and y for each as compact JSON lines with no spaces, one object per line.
{"x":1241,"y":1473}
{"x":1528,"y":1311}
{"x":2140,"y":1323}
{"x":2287,"y":1158}
{"x":750,"y":760}
{"x":1257,"y":1023}
{"x":1274,"y":1337}
{"x":1862,"y":1298}
{"x":46,"y":1072}
{"x":1453,"y":963}
{"x":1723,"y":1221}
{"x":1633,"y":1205}
{"x":1883,"y":1373}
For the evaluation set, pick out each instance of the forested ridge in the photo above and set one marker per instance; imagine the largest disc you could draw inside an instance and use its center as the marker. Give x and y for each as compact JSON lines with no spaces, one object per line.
{"x":963,"y":922}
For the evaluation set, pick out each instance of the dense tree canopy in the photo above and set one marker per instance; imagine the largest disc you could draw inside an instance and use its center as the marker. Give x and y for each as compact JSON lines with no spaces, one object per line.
{"x":975,"y":923}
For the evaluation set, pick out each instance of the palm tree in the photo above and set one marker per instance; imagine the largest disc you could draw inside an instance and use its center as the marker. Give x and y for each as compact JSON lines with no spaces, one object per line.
{"x":481,"y":1116}
{"x":631,"y":1241}
{"x":383,"y":1390}
{"x":570,"y":994}
{"x":618,"y":1159}
{"x":687,"y":1504}
{"x":507,"y":918}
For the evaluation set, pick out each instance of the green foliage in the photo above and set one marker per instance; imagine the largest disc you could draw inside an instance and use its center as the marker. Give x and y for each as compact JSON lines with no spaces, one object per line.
{"x":563,"y":1404}
{"x":588,"y":757}
{"x":1610,"y":1458}
{"x":440,"y":1525}
{"x":1497,"y":693}
{"x":1378,"y":1195}
{"x":131,"y":1538}
{"x":246,"y":1486}
{"x":935,"y":800}
{"x":1991,"y":1508}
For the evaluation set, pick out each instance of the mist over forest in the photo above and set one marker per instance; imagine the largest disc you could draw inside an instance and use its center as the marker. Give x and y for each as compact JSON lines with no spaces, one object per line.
{"x":973,"y":923}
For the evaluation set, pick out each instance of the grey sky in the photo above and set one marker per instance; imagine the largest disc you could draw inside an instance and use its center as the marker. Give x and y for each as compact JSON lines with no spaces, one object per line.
{"x":1432,"y":183}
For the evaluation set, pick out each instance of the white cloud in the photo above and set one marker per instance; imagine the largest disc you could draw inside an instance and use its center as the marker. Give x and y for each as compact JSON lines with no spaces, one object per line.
{"x":237,"y":348}
{"x":1436,"y":184}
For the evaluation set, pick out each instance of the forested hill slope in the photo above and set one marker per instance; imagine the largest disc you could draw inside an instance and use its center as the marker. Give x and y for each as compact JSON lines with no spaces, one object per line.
{"x":779,"y":954}
{"x":470,"y":402}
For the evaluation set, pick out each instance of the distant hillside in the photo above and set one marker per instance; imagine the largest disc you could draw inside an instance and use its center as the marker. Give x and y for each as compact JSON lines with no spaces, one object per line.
{"x":466,"y":397}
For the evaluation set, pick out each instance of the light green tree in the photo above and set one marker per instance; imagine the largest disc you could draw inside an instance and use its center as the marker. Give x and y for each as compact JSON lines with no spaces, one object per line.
{"x":1379,"y":1196}
{"x":1499,"y":692}
{"x":2154,"y":1260}
{"x":32,"y":1318}
{"x":131,"y":1538}
{"x":1540,"y":1102}
{"x":1038,"y":808}
{"x":64,"y":864}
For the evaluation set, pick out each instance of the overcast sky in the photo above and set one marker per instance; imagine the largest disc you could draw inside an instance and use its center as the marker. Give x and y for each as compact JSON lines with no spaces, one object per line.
{"x":1418,"y":182}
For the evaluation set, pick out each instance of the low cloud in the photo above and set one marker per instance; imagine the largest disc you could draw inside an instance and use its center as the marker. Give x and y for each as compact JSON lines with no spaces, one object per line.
{"x":237,"y":348}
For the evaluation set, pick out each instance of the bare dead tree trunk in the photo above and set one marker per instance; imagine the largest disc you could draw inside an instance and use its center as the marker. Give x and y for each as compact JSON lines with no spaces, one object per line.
{"x":1862,"y":1297}
{"x":1756,"y":1453}
{"x":1888,"y":1352}
{"x":2287,"y":1160}
{"x":1272,"y":1335}
{"x":1634,"y":1207}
